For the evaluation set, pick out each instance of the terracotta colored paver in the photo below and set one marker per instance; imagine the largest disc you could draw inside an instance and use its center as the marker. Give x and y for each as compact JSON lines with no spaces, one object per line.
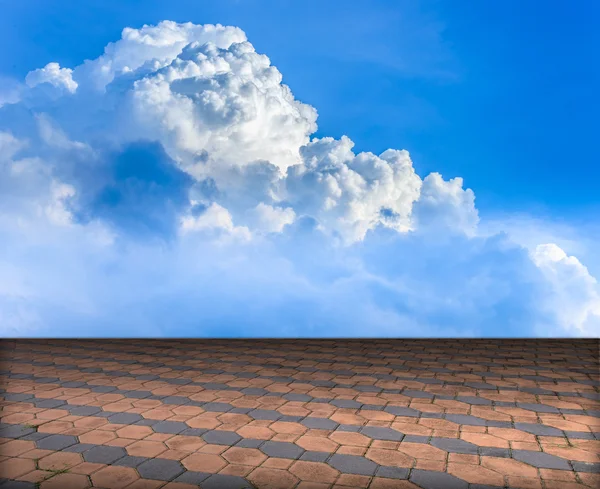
{"x":301,"y":414}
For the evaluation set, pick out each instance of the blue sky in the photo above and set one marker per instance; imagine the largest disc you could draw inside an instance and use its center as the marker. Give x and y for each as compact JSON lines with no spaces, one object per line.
{"x":503,"y":95}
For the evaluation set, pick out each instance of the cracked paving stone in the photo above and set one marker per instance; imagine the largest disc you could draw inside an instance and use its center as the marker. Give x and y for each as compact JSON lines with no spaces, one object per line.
{"x":433,"y":415}
{"x":249,"y":443}
{"x":124,"y":418}
{"x":538,"y":408}
{"x":402,"y":411}
{"x":193,"y":432}
{"x":254,"y":391}
{"x":477,"y":401}
{"x":217,"y":437}
{"x":103,"y":389}
{"x":482,"y":385}
{"x":537,"y":429}
{"x":281,"y":449}
{"x":352,"y":464}
{"x":191,"y":477}
{"x":218,"y":407}
{"x":346,"y":403}
{"x":146,"y":422}
{"x":265,"y":414}
{"x":541,"y":460}
{"x":429,"y":479}
{"x":221,"y":481}
{"x":312,"y":456}
{"x":466,"y":419}
{"x":56,"y":442}
{"x":104,"y":454}
{"x":297,"y":397}
{"x":138,"y":394}
{"x":418,"y":394}
{"x":49,"y":403}
{"x":79,"y":447}
{"x":319,"y":423}
{"x":179,"y":400}
{"x":160,"y":469}
{"x":84,"y":410}
{"x":454,"y":445}
{"x":494,"y":452}
{"x":378,"y":433}
{"x":170,"y":427}
{"x":130,"y":461}
{"x":392,"y":472}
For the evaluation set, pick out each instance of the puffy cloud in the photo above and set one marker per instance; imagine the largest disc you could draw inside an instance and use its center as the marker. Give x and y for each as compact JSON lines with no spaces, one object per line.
{"x":573,"y":297}
{"x":174,"y":180}
{"x":53,"y":74}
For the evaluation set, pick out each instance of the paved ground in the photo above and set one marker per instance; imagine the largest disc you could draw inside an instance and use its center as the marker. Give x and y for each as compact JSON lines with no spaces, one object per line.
{"x":304,"y":414}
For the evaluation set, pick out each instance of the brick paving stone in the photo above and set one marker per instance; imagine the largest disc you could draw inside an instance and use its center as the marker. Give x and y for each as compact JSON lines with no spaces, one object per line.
{"x":277,"y":414}
{"x":160,"y":469}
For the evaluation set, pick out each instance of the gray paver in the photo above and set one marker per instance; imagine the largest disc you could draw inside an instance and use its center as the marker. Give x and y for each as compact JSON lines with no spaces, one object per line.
{"x":218,"y":437}
{"x":379,"y":433}
{"x":281,"y":449}
{"x":541,"y":460}
{"x":170,"y":427}
{"x":56,"y":442}
{"x":160,"y":469}
{"x":125,"y":418}
{"x":353,"y":464}
{"x":103,"y":454}
{"x":429,"y":479}
{"x":454,"y":445}
{"x":319,"y":423}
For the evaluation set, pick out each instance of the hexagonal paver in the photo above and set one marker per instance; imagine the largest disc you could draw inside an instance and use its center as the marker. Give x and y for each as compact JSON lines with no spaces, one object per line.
{"x":272,"y":478}
{"x":56,"y":442}
{"x":59,"y":461}
{"x":222,"y":481}
{"x":466,"y":419}
{"x":265,"y":414}
{"x":124,"y":418}
{"x":428,"y":479}
{"x":281,"y":449}
{"x":191,"y":477}
{"x":352,"y":464}
{"x":84,"y":410}
{"x":541,"y":460}
{"x":454,"y":445}
{"x":216,"y":437}
{"x":117,"y":477}
{"x":244,"y":456}
{"x":379,"y":433}
{"x":160,"y":469}
{"x":314,"y":472}
{"x":319,"y":423}
{"x":170,"y":427}
{"x":104,"y":454}
{"x":538,"y":429}
{"x":63,"y":481}
{"x":130,"y":461}
{"x":402,"y":411}
{"x":392,"y":472}
{"x":204,"y":462}
{"x":346,"y":403}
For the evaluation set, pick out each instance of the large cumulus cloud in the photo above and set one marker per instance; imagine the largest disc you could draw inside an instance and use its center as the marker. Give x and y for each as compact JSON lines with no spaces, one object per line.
{"x":173,"y":186}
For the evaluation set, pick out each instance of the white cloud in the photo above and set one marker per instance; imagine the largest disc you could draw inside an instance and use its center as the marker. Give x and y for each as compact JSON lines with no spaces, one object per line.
{"x":173,"y":180}
{"x":53,"y":74}
{"x":574,"y":295}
